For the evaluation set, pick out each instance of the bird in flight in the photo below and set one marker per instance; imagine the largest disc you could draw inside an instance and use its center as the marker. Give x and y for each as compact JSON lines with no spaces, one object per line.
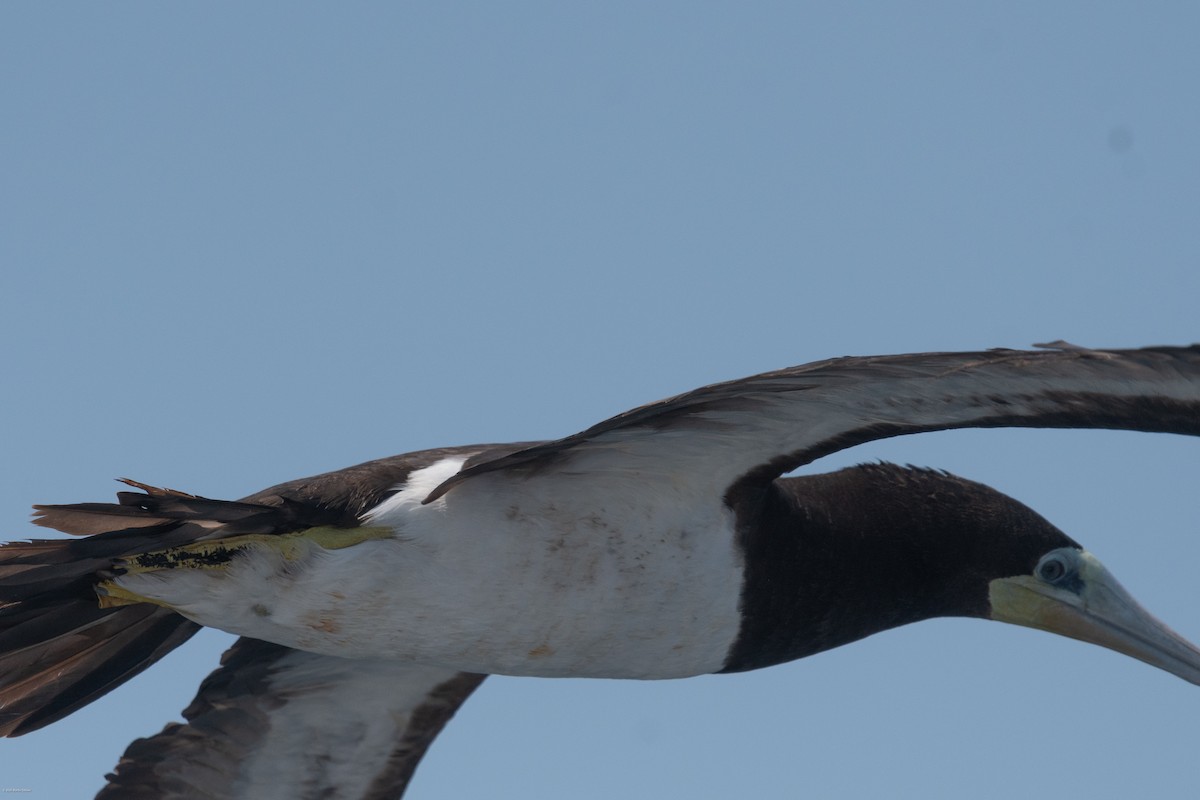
{"x":660,"y":543}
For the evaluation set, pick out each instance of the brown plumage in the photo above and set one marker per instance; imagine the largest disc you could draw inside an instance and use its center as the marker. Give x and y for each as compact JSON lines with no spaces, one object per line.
{"x":828,"y":558}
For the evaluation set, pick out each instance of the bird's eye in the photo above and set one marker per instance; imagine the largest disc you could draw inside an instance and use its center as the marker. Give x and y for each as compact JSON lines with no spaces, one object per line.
{"x":1052,"y":569}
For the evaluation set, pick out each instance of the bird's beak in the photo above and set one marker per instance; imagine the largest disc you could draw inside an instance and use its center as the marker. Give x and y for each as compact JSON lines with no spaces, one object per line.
{"x":1094,"y":607}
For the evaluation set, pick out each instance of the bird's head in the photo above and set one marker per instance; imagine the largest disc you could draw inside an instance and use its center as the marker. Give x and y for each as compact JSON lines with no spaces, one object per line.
{"x":1032,"y":573}
{"x":1069,"y":592}
{"x":858,"y":551}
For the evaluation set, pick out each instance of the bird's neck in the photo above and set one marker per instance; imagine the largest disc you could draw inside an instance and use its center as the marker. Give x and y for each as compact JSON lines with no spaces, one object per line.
{"x":835,"y":558}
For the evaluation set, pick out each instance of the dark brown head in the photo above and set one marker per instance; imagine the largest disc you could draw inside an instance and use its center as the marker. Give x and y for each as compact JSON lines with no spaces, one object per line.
{"x":836,"y":557}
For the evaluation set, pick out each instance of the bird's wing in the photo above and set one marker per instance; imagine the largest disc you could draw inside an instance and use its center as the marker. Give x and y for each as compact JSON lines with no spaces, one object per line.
{"x":748,"y":432}
{"x":273,"y":722}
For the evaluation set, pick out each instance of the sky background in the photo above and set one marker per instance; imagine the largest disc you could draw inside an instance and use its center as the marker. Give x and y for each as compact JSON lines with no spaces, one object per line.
{"x":241,"y":243}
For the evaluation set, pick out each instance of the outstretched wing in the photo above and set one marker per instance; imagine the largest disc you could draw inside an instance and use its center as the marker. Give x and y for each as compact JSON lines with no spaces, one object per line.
{"x":752,"y":430}
{"x":273,"y":722}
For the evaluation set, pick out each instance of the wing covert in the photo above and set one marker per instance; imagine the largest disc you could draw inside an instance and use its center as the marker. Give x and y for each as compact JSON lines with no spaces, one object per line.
{"x":757,"y":428}
{"x":273,"y":722}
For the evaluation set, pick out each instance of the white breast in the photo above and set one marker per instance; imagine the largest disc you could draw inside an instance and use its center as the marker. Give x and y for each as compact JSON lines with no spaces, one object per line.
{"x":542,"y":576}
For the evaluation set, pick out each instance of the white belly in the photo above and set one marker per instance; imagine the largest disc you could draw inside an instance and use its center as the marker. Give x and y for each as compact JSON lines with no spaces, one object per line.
{"x":512,"y":576}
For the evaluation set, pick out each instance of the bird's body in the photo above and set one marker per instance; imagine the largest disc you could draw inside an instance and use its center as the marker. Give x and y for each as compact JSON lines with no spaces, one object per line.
{"x":605,"y":586}
{"x":661,"y":543}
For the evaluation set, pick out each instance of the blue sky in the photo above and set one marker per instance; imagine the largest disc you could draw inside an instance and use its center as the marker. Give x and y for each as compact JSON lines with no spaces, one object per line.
{"x":244,"y":243}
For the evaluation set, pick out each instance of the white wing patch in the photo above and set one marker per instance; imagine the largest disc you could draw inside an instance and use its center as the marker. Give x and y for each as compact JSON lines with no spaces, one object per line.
{"x":339,"y":722}
{"x":418,"y":486}
{"x":278,"y":724}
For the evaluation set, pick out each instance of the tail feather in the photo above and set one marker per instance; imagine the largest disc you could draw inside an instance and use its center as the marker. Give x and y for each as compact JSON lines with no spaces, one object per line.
{"x":59,"y":650}
{"x":45,"y":682}
{"x":39,"y":622}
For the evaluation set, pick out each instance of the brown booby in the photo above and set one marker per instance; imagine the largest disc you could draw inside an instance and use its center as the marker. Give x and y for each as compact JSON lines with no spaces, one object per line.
{"x":660,"y":543}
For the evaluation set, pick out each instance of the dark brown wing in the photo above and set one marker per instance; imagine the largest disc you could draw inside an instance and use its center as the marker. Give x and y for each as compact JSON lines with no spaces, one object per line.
{"x":279,"y":723}
{"x":747,"y":432}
